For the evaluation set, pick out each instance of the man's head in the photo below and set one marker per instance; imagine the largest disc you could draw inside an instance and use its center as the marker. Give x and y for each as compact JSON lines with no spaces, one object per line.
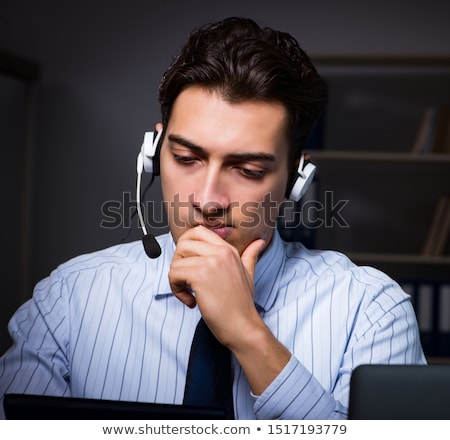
{"x":238,"y":105}
{"x":242,"y":61}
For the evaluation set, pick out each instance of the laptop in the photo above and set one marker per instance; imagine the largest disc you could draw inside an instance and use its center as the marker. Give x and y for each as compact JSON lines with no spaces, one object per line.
{"x":400,"y":392}
{"x":32,"y":407}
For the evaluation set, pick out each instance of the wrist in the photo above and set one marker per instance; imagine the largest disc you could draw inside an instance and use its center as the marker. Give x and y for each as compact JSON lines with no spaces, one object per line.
{"x":261,"y":356}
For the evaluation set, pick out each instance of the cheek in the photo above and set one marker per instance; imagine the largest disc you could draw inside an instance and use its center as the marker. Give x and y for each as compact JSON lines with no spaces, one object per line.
{"x":170,"y":181}
{"x":257,"y":215}
{"x":168,"y":188}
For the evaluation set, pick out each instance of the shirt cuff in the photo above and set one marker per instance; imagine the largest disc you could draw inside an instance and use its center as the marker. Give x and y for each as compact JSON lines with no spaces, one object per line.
{"x":294,"y":395}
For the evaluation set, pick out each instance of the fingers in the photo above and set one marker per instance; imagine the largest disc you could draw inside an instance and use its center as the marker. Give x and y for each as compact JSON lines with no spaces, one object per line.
{"x":186,"y":297}
{"x":250,"y":256}
{"x":200,"y":241}
{"x":202,"y":233}
{"x":205,"y":263}
{"x":179,"y":283}
{"x":192,"y":247}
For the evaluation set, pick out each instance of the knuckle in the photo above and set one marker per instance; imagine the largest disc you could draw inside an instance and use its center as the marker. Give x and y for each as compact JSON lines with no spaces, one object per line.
{"x":226,"y":253}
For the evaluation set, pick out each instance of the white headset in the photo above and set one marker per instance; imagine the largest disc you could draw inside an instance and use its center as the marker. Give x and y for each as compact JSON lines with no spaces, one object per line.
{"x":148,"y":161}
{"x":145,"y":163}
{"x":305,"y":171}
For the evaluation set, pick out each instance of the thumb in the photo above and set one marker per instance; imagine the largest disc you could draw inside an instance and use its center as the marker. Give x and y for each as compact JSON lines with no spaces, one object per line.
{"x":251,"y":254}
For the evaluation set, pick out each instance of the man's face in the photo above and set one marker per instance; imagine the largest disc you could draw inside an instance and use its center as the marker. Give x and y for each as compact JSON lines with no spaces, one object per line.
{"x":224,"y":166}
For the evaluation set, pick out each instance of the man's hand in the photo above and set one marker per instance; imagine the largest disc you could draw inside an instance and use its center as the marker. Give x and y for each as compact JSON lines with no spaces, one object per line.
{"x":222,"y":281}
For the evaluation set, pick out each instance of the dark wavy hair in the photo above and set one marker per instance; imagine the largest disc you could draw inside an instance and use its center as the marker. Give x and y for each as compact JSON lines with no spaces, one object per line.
{"x":243,"y":61}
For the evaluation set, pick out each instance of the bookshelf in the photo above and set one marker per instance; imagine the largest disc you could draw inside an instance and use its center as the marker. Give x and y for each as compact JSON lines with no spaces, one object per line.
{"x":386,"y":187}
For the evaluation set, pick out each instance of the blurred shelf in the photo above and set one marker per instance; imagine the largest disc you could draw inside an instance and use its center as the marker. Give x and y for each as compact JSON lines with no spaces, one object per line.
{"x":371,"y":156}
{"x":406,"y":267}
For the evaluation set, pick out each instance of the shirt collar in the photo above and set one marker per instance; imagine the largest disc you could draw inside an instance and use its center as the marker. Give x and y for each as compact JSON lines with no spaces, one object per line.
{"x":267,"y":271}
{"x":268,"y":267}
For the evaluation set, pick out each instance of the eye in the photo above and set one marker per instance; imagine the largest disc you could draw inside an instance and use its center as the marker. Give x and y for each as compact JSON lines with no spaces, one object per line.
{"x":252,"y":174}
{"x":184,"y":160}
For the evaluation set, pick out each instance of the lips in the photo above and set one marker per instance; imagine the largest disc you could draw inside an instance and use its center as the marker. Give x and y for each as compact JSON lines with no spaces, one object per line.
{"x":221,"y":231}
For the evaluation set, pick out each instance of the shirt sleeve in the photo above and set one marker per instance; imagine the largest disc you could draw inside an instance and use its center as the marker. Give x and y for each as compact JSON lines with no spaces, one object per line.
{"x":385,"y":332}
{"x":295,"y":394}
{"x":36,"y":363}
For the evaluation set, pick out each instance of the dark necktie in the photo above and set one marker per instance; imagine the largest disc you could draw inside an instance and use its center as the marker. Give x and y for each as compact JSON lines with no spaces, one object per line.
{"x":209,"y":379}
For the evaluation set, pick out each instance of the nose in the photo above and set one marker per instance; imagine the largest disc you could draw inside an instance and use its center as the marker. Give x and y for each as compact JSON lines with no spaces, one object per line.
{"x":211,"y":196}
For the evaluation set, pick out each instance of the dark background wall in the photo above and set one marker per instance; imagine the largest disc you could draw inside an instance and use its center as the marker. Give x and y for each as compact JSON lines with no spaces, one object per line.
{"x":101,"y":62}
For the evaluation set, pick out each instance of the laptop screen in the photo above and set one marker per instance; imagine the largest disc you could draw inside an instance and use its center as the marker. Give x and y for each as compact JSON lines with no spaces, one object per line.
{"x":400,"y":392}
{"x":32,"y":407}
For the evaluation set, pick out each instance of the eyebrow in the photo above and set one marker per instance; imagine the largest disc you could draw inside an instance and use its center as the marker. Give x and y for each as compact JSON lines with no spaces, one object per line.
{"x":236,"y":156}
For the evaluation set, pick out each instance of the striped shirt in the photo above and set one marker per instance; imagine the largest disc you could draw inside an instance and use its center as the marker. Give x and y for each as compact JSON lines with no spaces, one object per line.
{"x":105,"y":325}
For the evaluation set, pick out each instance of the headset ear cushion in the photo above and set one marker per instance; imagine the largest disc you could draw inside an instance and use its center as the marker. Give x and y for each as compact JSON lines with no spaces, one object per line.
{"x":150,"y":155}
{"x":304,"y":178}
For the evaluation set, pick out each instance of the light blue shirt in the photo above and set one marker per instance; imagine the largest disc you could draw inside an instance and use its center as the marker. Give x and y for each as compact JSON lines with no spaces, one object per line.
{"x":105,"y":325}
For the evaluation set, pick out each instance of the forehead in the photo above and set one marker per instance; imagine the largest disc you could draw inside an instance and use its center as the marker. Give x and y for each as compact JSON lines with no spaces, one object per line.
{"x":209,"y":120}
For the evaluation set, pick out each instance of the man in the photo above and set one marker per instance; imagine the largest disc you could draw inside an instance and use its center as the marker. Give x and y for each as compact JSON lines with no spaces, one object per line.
{"x":237,"y":104}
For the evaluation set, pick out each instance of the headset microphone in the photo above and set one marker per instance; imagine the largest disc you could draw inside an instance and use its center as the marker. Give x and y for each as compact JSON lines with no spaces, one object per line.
{"x":145,"y":162}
